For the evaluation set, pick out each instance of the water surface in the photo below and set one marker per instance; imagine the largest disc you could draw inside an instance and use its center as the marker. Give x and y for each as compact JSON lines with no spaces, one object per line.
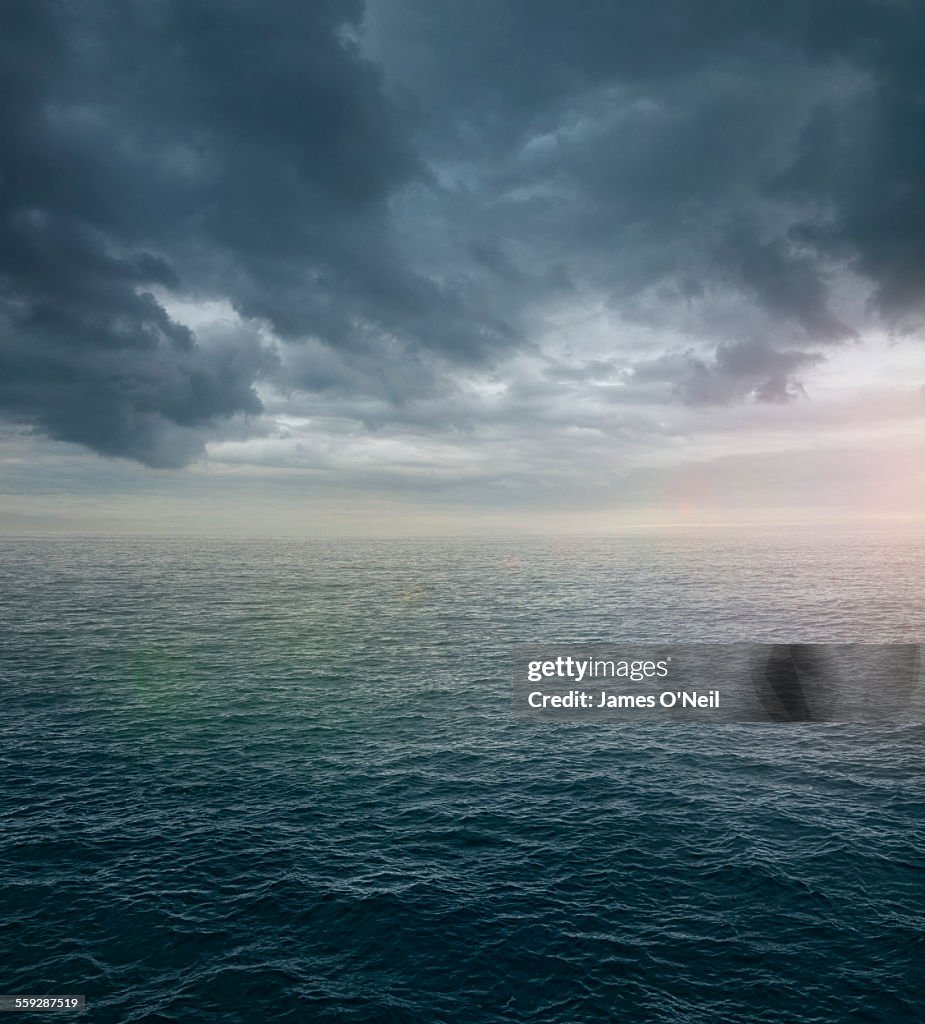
{"x":279,"y":780}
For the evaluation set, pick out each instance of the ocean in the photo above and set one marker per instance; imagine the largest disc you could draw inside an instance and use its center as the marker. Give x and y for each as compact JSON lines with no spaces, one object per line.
{"x":280,"y":780}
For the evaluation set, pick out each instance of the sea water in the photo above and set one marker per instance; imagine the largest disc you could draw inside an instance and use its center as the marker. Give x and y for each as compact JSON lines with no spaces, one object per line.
{"x":280,"y":780}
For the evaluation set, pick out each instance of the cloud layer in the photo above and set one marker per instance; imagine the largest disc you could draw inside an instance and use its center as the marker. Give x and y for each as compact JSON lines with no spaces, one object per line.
{"x":445,"y":217}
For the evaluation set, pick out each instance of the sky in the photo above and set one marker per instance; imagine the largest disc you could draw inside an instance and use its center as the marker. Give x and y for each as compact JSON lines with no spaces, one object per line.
{"x":415,"y":266}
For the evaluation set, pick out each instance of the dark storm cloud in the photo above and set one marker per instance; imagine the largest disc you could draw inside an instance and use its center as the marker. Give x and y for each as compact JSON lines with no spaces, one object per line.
{"x":394,"y":195}
{"x":215,"y":149}
{"x":735,"y":371}
{"x":688,"y":146}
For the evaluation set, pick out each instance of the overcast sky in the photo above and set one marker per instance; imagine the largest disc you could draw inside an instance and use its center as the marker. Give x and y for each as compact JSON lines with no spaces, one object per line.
{"x":433,"y":265}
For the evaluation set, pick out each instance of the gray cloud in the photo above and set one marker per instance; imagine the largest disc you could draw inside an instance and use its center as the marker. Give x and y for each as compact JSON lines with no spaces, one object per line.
{"x":736,"y":371}
{"x":694,"y":149}
{"x":394,"y":197}
{"x":213,"y":149}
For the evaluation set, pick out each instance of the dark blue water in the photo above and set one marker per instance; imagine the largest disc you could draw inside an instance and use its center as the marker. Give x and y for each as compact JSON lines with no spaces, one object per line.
{"x":261,"y":781}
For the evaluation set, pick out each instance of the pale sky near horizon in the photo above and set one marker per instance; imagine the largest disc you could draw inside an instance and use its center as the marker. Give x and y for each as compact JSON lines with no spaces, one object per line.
{"x":410,"y":267}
